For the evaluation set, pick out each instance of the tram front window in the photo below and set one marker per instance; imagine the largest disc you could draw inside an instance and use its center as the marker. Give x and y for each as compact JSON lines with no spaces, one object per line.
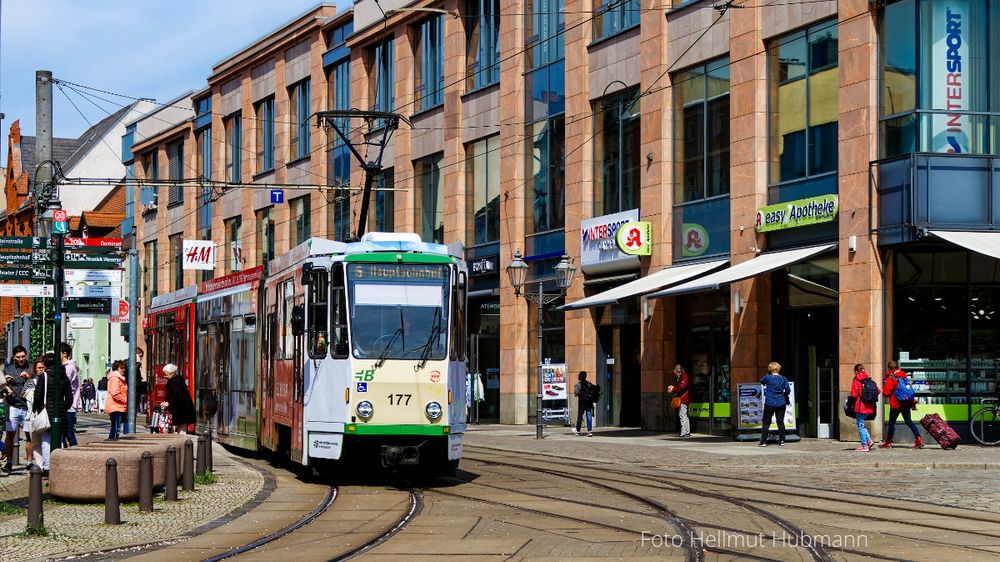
{"x":399,"y":311}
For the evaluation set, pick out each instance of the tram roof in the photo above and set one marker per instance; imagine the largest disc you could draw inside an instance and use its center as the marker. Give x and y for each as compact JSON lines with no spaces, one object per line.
{"x":371,"y":243}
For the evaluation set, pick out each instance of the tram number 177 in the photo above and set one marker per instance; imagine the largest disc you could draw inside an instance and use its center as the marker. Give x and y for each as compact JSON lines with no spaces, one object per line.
{"x":398,"y":399}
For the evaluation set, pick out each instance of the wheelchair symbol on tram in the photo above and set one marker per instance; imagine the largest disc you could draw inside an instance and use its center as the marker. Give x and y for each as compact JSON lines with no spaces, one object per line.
{"x":362,"y":387}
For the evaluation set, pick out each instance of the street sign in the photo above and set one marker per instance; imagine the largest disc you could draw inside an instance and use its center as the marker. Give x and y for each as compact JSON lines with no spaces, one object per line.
{"x":22,"y":274}
{"x":12,"y":242}
{"x":83,"y":261}
{"x":15,"y":258}
{"x":112,"y":275}
{"x":87,"y":306}
{"x":93,"y":242}
{"x":60,"y":222}
{"x":74,"y":290}
{"x":25,"y":290}
{"x":277,"y":196}
{"x":122,"y":307}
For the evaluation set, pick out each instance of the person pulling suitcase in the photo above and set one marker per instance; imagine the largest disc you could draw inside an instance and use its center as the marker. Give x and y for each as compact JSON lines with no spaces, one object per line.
{"x":902,"y":398}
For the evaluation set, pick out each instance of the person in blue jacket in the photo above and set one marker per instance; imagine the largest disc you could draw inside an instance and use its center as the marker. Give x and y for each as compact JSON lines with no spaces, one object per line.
{"x":776,"y":391}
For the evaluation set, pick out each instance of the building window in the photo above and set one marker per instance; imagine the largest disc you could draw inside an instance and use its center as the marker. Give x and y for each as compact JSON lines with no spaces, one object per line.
{"x":176,"y":262}
{"x":429,"y":198}
{"x":175,"y":172}
{"x":265,"y":237}
{"x":482,"y":45}
{"x":129,"y":224}
{"x":614,"y":16}
{"x":299,"y":225}
{"x":482,"y":188}
{"x":544,"y":21}
{"x":616,"y":153}
{"x":299,"y":112}
{"x":265,"y":135}
{"x":803,"y":91}
{"x":341,"y":215}
{"x":150,"y":194}
{"x":234,"y":244}
{"x":381,"y":63}
{"x":203,"y":153}
{"x":546,"y":182}
{"x":428,"y":67}
{"x":234,"y":147}
{"x":149,"y":271}
{"x":383,"y":213}
{"x":203,"y":166}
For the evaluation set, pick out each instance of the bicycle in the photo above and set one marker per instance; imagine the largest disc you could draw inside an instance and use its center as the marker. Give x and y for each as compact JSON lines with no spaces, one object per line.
{"x":985,"y":424}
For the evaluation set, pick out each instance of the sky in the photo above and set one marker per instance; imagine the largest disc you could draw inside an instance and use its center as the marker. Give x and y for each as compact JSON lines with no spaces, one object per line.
{"x":144,"y":48}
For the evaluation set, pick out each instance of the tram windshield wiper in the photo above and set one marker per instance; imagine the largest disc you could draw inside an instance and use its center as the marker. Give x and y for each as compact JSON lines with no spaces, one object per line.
{"x":400,"y":331}
{"x":436,"y":331}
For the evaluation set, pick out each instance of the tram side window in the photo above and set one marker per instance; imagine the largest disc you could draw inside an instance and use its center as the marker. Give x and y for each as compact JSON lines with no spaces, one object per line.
{"x":338,"y":314}
{"x":317,"y":326}
{"x":288,"y":303}
{"x":458,"y":337}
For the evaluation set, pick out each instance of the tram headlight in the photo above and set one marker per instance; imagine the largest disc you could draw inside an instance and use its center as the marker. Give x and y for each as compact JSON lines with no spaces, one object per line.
{"x":433,"y":411}
{"x":365,"y":410}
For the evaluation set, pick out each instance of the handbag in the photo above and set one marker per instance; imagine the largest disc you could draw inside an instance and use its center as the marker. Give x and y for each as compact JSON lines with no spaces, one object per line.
{"x":39,"y":422}
{"x":675,"y":402}
{"x":849,"y":406}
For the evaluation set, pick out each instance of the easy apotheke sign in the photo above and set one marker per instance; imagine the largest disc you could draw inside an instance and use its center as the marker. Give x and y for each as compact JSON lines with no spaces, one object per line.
{"x":801,"y":212}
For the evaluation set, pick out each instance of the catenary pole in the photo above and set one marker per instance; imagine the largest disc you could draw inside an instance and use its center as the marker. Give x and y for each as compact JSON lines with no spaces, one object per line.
{"x":133,"y":317}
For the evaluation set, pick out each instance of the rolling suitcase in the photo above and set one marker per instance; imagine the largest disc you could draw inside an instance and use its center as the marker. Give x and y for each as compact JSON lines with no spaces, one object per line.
{"x":940,"y":431}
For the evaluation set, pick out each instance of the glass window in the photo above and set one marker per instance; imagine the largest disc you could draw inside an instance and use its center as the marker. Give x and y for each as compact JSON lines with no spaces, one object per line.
{"x":546,"y":197}
{"x":265,"y":237}
{"x":482,"y":46}
{"x":429,"y":198}
{"x":265,"y":135}
{"x":318,"y":324}
{"x":701,"y":131}
{"x":234,"y":147}
{"x":383,"y":212}
{"x":299,"y":226}
{"x":203,"y":153}
{"x":428,"y":67}
{"x":458,"y":335}
{"x":381,"y":83}
{"x":545,"y":91}
{"x":175,"y":171}
{"x":299,"y":112}
{"x":203,"y":166}
{"x":544,"y":22}
{"x":616,"y":152}
{"x":149,"y":272}
{"x":399,"y":324}
{"x":482,"y":188}
{"x":176,"y":262}
{"x":614,"y":16}
{"x":234,"y":244}
{"x":151,"y":169}
{"x":803,"y":97}
{"x":340,"y":209}
{"x":129,"y":223}
{"x":338,"y":312}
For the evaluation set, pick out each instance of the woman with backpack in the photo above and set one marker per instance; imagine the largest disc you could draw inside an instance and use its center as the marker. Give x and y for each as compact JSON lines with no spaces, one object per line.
{"x":776,"y":398}
{"x":902,"y":399}
{"x":584,"y":393}
{"x":865,"y":394}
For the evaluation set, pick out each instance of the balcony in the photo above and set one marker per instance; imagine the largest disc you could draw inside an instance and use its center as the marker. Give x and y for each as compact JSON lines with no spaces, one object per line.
{"x":921,"y":191}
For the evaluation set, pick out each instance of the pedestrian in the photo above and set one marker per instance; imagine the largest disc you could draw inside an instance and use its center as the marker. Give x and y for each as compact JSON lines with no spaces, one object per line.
{"x":89,"y":394}
{"x":178,"y":400}
{"x":102,"y":391}
{"x":776,"y":398}
{"x":864,"y":404}
{"x":896,"y":384}
{"x":73,"y":376}
{"x":37,"y":374}
{"x":15,"y":374}
{"x":682,"y":399}
{"x":56,"y":405}
{"x":117,"y":401}
{"x":584,"y":393}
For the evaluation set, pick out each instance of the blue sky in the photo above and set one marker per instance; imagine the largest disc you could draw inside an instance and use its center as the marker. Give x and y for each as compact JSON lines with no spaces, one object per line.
{"x":150,"y":48}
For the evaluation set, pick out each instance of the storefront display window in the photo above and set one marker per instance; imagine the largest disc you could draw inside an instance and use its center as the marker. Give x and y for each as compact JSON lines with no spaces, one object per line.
{"x":703,"y":350}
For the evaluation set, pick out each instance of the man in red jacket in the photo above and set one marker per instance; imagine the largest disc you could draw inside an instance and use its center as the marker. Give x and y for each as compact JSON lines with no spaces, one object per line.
{"x":680,"y":390}
{"x":892,"y":380}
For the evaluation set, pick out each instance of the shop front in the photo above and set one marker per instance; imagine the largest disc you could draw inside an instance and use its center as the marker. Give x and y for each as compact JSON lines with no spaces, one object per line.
{"x":483,"y":396}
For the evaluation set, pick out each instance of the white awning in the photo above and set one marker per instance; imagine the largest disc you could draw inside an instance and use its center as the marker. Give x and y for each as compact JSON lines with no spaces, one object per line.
{"x":987,"y":243}
{"x":652,"y":282}
{"x":751,"y":268}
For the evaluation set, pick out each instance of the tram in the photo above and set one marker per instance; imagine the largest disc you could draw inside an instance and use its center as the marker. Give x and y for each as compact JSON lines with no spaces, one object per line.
{"x":169,"y":327}
{"x":363,"y":353}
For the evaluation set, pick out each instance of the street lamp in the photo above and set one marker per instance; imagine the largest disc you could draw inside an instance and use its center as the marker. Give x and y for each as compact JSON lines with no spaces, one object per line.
{"x":517,"y":271}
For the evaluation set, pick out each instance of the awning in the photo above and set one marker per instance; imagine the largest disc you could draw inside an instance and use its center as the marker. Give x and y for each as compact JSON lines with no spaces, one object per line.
{"x":652,"y":282}
{"x":987,"y":243}
{"x":751,"y":268}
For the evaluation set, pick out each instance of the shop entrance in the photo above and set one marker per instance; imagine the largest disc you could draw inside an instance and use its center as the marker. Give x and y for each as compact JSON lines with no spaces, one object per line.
{"x":619,"y":373}
{"x":806,"y":342}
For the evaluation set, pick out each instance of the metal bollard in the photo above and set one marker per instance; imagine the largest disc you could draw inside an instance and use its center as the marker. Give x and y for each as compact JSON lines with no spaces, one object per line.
{"x":112,"y":503}
{"x":208,"y":450}
{"x":188,"y":466}
{"x":35,"y":515}
{"x":202,"y":456}
{"x":146,"y":482}
{"x":170,"y":486}
{"x":15,"y":456}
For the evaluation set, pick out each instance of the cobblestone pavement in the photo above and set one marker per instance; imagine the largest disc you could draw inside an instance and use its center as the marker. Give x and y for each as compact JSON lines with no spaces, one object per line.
{"x":79,"y":528}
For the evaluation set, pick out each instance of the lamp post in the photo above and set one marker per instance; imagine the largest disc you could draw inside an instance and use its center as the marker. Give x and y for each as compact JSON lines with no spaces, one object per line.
{"x":517,"y":271}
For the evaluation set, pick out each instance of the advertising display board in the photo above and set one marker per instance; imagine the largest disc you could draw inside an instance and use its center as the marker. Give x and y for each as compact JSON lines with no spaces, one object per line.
{"x":751,"y":405}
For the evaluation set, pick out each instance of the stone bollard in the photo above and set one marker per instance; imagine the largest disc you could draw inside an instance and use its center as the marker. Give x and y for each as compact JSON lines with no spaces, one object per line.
{"x":188,"y":466}
{"x":208,"y":451}
{"x":202,"y":456}
{"x":170,"y":475}
{"x":112,"y":503}
{"x":146,"y":482}
{"x":35,"y":515}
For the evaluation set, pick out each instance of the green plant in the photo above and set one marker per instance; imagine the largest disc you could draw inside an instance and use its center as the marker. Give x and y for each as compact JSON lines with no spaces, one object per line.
{"x":7,"y":508}
{"x":207,"y":477}
{"x":39,"y":531}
